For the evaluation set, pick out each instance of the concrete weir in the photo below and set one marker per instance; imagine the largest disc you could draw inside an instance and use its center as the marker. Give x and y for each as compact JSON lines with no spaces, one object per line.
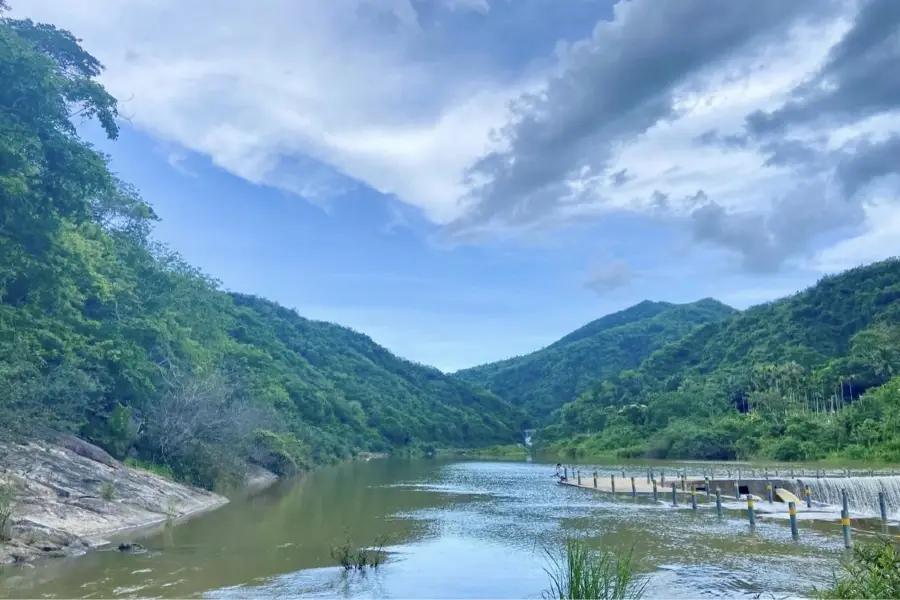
{"x":816,"y":498}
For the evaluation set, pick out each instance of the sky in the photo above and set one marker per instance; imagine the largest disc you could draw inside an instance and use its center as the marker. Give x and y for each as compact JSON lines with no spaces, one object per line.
{"x":468,"y":180}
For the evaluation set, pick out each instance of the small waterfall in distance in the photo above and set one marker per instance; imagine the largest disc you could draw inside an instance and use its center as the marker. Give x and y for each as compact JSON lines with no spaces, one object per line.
{"x":862,"y":493}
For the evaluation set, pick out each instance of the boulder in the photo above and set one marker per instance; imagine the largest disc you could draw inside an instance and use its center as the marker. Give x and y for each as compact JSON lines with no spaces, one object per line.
{"x":83,"y":448}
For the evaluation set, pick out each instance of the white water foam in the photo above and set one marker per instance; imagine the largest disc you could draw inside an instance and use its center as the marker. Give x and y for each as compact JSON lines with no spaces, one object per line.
{"x":862,"y":493}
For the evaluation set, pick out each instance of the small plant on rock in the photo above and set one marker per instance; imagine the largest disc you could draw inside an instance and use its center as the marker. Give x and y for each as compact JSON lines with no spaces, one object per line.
{"x":107,"y":491}
{"x":6,"y":507}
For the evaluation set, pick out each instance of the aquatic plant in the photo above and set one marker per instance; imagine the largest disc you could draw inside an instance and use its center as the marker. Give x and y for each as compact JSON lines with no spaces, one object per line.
{"x":377,"y":555}
{"x":350,"y":557}
{"x":580,"y":571}
{"x":343,"y":554}
{"x":873,"y":572}
{"x":362,"y":559}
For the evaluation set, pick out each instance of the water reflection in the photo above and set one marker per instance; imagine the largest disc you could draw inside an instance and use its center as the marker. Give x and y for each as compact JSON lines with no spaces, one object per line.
{"x":460,"y":530}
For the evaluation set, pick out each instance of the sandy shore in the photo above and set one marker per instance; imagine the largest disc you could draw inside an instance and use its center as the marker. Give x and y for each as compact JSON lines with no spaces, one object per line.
{"x":60,"y":508}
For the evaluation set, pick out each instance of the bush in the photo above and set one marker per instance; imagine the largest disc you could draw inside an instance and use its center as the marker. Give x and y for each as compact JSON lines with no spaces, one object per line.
{"x":874,"y":572}
{"x":791,"y":449}
{"x":107,"y":491}
{"x":283,"y":454}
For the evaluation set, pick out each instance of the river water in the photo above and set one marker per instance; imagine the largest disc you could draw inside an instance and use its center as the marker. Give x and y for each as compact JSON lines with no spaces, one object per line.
{"x":455,"y":530}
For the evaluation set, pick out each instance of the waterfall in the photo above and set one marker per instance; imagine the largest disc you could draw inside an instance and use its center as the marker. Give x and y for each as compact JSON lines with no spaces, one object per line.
{"x":862,"y":493}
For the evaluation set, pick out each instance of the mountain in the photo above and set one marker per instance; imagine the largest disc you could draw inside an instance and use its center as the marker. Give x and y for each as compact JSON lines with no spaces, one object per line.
{"x":792,"y":379}
{"x":544,"y":380}
{"x":109,"y":335}
{"x":380,"y":400}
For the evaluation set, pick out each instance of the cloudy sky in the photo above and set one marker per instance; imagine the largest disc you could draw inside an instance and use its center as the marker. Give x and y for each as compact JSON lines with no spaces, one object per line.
{"x":466,"y":180}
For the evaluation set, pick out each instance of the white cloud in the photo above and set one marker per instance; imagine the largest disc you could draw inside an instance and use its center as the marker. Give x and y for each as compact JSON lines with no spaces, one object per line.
{"x":667,"y":158}
{"x":348,"y":83}
{"x":290,"y":92}
{"x":879,"y":240}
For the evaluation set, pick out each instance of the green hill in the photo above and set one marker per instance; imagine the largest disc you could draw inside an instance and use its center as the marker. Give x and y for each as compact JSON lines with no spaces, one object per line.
{"x":543,"y":381}
{"x":780,"y":380}
{"x":107,"y":334}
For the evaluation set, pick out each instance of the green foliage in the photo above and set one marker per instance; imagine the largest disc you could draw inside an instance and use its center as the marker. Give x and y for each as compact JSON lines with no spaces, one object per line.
{"x":119,"y":434}
{"x":505,"y":452}
{"x":874,"y":572}
{"x":107,"y":491}
{"x":161,"y":470}
{"x":106,"y":334}
{"x":582,"y":572}
{"x":803,"y":378}
{"x":281,"y":454}
{"x":544,"y":380}
{"x":7,"y":498}
{"x":350,"y":557}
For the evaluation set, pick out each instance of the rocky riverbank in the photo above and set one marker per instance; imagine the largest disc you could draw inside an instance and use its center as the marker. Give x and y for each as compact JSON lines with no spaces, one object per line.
{"x":70,"y":496}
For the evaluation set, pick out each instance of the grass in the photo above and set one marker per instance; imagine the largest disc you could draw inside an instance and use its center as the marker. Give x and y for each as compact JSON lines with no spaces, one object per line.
{"x":580,"y":571}
{"x":161,"y":470}
{"x":504,"y":452}
{"x":352,"y":558}
{"x":873,"y":572}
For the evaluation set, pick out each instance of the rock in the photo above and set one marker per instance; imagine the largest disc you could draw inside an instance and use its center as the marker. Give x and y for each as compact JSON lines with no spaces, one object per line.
{"x":60,"y":492}
{"x":129,"y":547}
{"x":59,"y":509}
{"x":83,"y":448}
{"x":43,"y":538}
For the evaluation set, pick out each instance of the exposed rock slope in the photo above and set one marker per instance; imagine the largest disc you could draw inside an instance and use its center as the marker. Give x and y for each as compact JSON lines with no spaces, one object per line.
{"x":71,"y":496}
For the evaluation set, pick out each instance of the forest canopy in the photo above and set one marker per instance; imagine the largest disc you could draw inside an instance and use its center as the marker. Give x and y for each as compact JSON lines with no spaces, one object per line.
{"x":802,"y":378}
{"x":112,"y":336}
{"x":541,"y":382}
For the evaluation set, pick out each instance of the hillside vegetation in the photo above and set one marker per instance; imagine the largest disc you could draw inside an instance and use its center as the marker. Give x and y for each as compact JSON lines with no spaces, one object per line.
{"x":543,"y":381}
{"x":109,"y":335}
{"x":805,"y":377}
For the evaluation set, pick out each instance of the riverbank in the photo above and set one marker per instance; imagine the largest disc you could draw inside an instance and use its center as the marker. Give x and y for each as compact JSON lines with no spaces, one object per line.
{"x":505,"y":452}
{"x":65,"y":498}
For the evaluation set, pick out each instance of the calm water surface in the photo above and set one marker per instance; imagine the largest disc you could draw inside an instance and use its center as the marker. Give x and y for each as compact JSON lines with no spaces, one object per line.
{"x":456,"y":530}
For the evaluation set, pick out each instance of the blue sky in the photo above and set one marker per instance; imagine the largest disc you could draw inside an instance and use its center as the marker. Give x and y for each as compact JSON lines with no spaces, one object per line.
{"x":466,"y":180}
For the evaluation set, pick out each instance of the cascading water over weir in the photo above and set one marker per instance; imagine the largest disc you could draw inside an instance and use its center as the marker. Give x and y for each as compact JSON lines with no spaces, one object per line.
{"x":862,"y":493}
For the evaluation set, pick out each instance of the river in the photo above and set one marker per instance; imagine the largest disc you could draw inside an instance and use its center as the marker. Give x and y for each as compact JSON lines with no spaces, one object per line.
{"x":455,"y":530}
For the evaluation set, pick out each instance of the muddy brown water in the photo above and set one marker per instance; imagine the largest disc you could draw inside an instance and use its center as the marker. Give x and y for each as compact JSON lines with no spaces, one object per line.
{"x":455,"y":530}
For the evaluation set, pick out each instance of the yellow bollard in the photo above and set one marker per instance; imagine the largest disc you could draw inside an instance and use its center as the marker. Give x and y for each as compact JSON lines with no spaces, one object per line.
{"x":751,"y":513}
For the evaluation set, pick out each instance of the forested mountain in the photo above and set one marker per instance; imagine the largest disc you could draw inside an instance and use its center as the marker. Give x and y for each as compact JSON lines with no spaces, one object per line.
{"x":109,"y":335}
{"x":544,"y":380}
{"x":783,"y":380}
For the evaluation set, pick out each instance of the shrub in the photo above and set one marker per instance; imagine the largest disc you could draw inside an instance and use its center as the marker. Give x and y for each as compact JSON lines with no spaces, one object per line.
{"x":283,"y":454}
{"x":874,"y":572}
{"x":107,"y":491}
